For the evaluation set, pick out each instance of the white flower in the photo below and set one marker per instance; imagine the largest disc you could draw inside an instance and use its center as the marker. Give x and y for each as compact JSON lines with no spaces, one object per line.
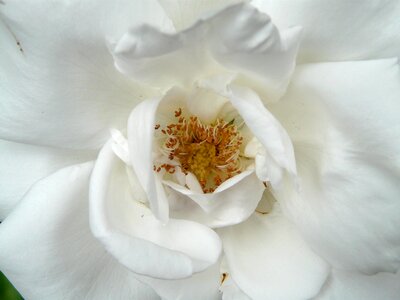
{"x":280,"y":181}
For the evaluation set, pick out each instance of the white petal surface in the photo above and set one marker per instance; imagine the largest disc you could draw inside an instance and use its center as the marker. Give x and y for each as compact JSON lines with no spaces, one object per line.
{"x":61,"y":72}
{"x":48,"y":251}
{"x":22,"y":165}
{"x":239,"y":37}
{"x":268,"y":259}
{"x":183,"y":13}
{"x":341,"y":29}
{"x":129,"y":230}
{"x":140,"y":140}
{"x":231,"y":203}
{"x":354,"y":286}
{"x":246,"y":40}
{"x":206,"y":104}
{"x":344,"y":119}
{"x":200,"y":286}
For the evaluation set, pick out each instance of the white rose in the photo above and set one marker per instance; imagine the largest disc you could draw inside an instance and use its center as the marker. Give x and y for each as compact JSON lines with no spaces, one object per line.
{"x":239,"y":172}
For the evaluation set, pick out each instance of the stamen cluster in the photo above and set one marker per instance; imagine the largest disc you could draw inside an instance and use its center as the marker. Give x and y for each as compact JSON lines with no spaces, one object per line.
{"x":209,"y":151}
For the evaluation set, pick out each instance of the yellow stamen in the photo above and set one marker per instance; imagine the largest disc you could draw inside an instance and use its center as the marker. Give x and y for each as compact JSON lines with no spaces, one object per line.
{"x":209,"y":151}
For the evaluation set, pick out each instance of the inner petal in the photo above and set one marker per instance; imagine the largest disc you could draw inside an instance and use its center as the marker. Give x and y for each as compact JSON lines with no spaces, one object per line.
{"x":209,"y":151}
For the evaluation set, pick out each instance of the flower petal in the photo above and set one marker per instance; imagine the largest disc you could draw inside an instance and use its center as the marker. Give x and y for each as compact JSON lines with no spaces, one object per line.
{"x":22,"y":165}
{"x":346,"y":136}
{"x":245,"y":40}
{"x":132,"y":234}
{"x":265,"y":253}
{"x":266,"y":128}
{"x":349,"y":285}
{"x":140,"y":140}
{"x":205,"y":104}
{"x":271,"y":147}
{"x":48,"y":251}
{"x":239,"y":37}
{"x":51,"y":72}
{"x":340,"y":30}
{"x":231,"y":203}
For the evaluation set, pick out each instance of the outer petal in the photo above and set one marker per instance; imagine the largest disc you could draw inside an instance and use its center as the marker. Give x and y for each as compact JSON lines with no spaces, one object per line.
{"x":340,"y":30}
{"x":22,"y":165}
{"x":129,"y":230}
{"x":354,"y":286}
{"x":48,"y":252}
{"x":344,"y":120}
{"x":266,"y":253}
{"x":55,"y":68}
{"x":239,"y":37}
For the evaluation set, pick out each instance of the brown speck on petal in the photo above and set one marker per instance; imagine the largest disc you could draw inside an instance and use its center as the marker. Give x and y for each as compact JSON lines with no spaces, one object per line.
{"x":223,"y":277}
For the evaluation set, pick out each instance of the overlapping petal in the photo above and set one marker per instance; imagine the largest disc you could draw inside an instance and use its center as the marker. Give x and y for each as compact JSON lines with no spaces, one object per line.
{"x":238,"y":37}
{"x":270,"y":133}
{"x":231,"y":203}
{"x":266,"y":254}
{"x":129,"y":230}
{"x":275,"y":153}
{"x":48,"y":251}
{"x":349,"y":178}
{"x":344,"y":120}
{"x":22,"y":165}
{"x":56,"y":69}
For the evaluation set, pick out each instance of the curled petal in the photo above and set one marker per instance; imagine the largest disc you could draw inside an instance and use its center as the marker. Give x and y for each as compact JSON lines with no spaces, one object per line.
{"x":271,"y":145}
{"x":277,"y":151}
{"x":132,"y":234}
{"x":231,"y":203}
{"x":140,"y":140}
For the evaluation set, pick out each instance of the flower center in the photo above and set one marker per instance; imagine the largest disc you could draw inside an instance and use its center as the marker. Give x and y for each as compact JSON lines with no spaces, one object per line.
{"x":209,"y":151}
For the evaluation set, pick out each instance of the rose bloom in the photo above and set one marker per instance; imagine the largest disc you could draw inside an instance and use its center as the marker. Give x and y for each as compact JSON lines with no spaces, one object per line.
{"x":200,"y":149}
